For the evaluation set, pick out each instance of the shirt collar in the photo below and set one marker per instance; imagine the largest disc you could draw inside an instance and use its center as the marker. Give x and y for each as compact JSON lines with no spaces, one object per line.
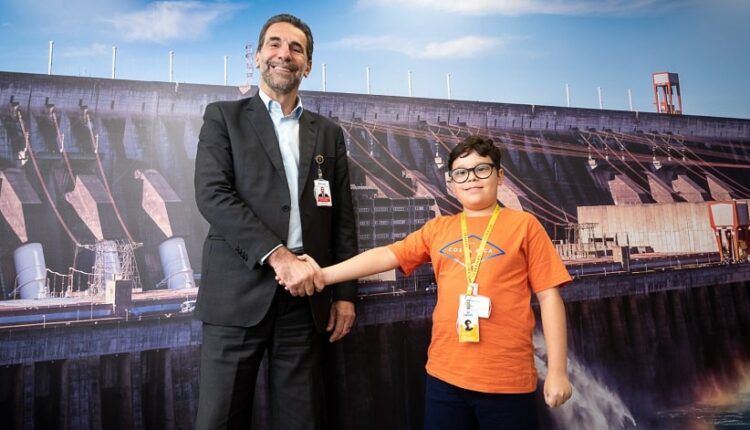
{"x":275,"y":107}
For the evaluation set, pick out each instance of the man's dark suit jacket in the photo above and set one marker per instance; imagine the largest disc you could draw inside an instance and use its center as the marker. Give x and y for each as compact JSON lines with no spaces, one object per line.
{"x":241,"y":190}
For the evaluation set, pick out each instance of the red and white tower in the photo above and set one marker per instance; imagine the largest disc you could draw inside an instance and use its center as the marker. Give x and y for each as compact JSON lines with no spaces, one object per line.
{"x":666,"y":86}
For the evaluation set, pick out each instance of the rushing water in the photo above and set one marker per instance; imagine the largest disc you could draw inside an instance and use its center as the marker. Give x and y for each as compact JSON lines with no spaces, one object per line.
{"x":595,"y":406}
{"x":729,"y":411}
{"x":675,"y":359}
{"x":592,"y":406}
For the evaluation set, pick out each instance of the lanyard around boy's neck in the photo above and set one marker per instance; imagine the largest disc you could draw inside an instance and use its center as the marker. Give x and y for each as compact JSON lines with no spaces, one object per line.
{"x":473,"y":268}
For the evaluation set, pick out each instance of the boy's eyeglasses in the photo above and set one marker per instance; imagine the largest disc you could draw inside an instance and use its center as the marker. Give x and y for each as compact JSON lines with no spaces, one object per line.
{"x":481,"y":171}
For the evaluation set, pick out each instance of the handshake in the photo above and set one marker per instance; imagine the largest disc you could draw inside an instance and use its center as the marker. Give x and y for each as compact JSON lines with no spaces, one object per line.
{"x":299,"y":274}
{"x":302,"y":276}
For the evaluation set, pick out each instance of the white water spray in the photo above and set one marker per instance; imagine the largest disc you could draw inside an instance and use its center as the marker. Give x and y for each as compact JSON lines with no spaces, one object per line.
{"x":593,"y":405}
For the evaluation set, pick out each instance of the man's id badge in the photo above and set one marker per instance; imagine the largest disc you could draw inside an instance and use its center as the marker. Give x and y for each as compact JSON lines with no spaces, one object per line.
{"x":323,"y":193}
{"x":468,"y":326}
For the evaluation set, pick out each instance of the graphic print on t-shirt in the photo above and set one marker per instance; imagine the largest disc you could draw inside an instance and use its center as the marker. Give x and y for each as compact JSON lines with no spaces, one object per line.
{"x":455,"y":249}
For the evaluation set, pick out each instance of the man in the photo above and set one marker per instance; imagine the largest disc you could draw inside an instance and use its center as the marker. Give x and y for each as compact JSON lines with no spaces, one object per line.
{"x":256,"y":172}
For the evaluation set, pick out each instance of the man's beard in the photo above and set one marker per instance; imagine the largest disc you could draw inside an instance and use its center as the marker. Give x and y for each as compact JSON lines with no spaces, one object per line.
{"x":278,"y":84}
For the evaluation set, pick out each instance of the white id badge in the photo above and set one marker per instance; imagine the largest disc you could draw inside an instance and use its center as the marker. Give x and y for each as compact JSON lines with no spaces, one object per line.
{"x":481,"y":304}
{"x":322,"y":193}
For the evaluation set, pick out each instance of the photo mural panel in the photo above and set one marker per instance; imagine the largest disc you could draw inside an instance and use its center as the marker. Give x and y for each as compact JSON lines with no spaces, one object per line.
{"x":101,"y":241}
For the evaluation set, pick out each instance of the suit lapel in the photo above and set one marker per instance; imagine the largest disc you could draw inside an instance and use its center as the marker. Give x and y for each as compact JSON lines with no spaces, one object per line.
{"x":308,"y":131}
{"x":261,"y":122}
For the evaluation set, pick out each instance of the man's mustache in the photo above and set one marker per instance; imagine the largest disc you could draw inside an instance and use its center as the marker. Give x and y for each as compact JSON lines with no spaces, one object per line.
{"x":285,"y":64}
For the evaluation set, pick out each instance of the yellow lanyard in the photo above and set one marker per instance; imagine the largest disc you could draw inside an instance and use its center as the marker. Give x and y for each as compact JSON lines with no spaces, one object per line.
{"x":473,"y":268}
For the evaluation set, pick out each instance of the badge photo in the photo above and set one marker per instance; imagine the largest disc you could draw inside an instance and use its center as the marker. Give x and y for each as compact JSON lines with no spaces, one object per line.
{"x":468,"y":326}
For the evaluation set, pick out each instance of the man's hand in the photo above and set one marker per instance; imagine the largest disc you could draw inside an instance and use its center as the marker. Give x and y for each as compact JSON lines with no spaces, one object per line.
{"x":318,"y":279}
{"x":294,"y":275}
{"x":557,"y":389}
{"x":341,"y":320}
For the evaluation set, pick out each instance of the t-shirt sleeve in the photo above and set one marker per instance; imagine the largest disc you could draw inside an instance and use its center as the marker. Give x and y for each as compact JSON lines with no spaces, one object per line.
{"x":413,"y":250}
{"x":545,"y":268}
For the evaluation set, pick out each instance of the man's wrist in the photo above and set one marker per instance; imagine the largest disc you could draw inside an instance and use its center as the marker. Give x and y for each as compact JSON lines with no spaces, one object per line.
{"x":280,"y":254}
{"x":265,"y":258}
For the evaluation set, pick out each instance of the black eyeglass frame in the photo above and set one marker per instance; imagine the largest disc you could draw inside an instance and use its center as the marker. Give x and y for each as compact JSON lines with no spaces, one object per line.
{"x":473,"y":170}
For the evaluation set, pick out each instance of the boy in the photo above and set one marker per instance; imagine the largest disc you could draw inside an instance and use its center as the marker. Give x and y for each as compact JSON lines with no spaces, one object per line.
{"x":480,"y":367}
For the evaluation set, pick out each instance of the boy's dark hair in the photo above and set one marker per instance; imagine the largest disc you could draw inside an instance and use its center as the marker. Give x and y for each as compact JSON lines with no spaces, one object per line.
{"x":291,"y":19}
{"x":483,"y":147}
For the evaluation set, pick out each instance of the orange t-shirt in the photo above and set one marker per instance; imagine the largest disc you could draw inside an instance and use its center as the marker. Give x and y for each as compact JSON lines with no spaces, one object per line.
{"x":520,"y":258}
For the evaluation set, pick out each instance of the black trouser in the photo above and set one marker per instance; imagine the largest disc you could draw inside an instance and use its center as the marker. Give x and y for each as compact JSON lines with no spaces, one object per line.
{"x":453,"y":408}
{"x":231,"y":356}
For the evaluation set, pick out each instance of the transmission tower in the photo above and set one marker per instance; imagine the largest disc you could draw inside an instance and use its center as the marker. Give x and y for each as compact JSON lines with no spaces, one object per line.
{"x":115,"y":260}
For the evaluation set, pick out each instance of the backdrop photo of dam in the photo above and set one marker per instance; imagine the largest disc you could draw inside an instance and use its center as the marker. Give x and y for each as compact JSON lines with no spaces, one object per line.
{"x":100,"y":253}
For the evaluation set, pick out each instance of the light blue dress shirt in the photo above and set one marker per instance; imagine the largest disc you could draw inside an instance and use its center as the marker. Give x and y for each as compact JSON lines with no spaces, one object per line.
{"x":287,"y":132}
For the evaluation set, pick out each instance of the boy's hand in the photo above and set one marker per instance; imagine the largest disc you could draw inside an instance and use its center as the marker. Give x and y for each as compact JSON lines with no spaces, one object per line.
{"x":318,"y":279}
{"x":557,"y":389}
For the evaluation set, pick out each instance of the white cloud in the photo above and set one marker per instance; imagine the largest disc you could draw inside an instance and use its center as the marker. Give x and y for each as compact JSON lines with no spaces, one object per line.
{"x":523,"y":7}
{"x":463,"y":47}
{"x":373,"y":43}
{"x":86,"y":51}
{"x":171,"y":20}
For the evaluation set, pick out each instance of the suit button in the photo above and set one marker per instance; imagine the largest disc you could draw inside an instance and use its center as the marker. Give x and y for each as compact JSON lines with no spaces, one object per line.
{"x":285,"y":208}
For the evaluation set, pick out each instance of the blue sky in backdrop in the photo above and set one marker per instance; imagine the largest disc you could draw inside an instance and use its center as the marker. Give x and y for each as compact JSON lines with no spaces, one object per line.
{"x":508,"y":51}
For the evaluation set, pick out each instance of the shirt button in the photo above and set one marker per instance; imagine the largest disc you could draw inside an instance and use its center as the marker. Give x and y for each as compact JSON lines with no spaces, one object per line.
{"x":285,"y":208}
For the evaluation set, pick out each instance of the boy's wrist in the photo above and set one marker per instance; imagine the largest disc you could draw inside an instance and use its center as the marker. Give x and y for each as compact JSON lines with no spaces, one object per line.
{"x":557,"y":372}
